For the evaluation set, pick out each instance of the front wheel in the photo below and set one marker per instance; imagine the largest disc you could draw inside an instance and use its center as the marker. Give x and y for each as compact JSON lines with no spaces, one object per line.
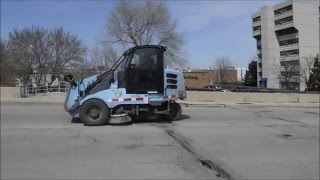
{"x":174,"y":112}
{"x":94,"y":112}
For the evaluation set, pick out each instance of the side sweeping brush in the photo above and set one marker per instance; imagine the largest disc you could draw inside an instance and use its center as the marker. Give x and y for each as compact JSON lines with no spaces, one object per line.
{"x":118,"y":119}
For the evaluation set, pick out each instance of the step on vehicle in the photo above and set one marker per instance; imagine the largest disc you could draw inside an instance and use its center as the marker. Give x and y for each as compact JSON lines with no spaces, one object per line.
{"x":136,"y":87}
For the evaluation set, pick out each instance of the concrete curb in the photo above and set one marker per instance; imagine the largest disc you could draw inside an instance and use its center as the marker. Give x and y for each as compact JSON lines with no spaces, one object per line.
{"x":29,"y":103}
{"x":297,"y":105}
{"x":201,"y":104}
{"x":248,"y":104}
{"x":40,"y":100}
{"x":60,"y":102}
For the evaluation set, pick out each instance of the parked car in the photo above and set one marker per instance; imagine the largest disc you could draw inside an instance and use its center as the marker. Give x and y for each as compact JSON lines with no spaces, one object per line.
{"x":212,"y":87}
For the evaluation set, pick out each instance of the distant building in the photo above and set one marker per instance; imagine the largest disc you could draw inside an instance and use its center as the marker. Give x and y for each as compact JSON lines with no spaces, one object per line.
{"x":285,"y":33}
{"x":198,"y":79}
{"x":195,"y":78}
{"x":241,"y":73}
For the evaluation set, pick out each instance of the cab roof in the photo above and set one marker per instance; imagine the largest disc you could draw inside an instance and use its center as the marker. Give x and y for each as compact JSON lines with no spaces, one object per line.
{"x":144,"y":46}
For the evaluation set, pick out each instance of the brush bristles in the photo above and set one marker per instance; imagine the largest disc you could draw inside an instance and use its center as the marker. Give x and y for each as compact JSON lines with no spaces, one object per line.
{"x":119,"y":119}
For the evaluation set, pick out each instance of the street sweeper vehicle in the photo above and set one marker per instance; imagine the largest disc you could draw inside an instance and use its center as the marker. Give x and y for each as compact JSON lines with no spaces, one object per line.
{"x":136,"y":87}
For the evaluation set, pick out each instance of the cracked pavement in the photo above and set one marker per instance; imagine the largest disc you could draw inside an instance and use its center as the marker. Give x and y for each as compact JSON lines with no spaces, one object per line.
{"x":40,"y":142}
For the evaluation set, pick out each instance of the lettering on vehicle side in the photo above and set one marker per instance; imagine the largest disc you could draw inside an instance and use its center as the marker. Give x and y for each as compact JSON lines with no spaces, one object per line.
{"x":191,"y":77}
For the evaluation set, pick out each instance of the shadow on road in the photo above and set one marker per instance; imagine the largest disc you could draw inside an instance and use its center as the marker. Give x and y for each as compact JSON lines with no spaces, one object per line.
{"x":183,"y":117}
{"x":159,"y":120}
{"x":75,"y":120}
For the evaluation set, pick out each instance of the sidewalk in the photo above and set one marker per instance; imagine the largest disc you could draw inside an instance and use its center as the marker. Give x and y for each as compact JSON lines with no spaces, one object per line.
{"x":52,"y":99}
{"x":58,"y":99}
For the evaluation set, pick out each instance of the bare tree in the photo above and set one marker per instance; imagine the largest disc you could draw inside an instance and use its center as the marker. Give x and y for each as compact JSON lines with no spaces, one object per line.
{"x":221,"y":65}
{"x":7,"y":69}
{"x":287,"y":74}
{"x":82,"y":69}
{"x":3,"y":60}
{"x":305,"y":68}
{"x":28,"y":49}
{"x":65,"y":49}
{"x":38,"y":52}
{"x":103,"y":56}
{"x":136,"y":24}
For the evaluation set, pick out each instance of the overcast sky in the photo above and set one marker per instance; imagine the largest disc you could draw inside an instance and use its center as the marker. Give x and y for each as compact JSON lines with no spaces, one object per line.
{"x":210,"y":29}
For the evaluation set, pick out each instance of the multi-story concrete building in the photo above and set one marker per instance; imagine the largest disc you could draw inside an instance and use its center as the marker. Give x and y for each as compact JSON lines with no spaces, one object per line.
{"x":241,"y":73}
{"x":287,"y":34}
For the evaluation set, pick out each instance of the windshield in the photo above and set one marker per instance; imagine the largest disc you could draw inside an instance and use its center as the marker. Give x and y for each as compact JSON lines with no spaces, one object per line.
{"x":146,"y":59}
{"x":117,"y":63}
{"x":121,"y":65}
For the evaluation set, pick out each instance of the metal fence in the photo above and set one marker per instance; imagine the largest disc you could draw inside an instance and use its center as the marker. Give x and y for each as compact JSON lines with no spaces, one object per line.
{"x":30,"y":90}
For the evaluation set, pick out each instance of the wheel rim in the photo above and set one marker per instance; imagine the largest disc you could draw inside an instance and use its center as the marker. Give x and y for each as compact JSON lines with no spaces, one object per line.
{"x":94,"y":113}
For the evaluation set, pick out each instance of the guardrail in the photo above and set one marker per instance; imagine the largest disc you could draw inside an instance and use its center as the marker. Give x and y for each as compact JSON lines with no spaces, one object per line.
{"x":29,"y":90}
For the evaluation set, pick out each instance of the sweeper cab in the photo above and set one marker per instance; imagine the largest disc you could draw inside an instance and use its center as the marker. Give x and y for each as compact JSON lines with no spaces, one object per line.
{"x":136,"y":87}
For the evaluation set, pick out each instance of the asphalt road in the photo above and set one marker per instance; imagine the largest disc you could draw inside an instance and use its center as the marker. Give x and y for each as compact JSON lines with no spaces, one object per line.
{"x":40,"y":142}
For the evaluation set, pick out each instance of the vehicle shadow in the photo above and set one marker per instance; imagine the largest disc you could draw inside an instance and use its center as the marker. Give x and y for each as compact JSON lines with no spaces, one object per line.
{"x":160,"y":120}
{"x":75,"y":121}
{"x":183,"y":117}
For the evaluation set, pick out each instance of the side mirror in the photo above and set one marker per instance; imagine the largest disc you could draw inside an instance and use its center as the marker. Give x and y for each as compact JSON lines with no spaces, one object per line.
{"x":69,"y":78}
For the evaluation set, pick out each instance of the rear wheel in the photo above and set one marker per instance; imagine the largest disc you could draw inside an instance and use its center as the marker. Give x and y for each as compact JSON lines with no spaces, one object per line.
{"x":174,"y":112}
{"x":94,"y":112}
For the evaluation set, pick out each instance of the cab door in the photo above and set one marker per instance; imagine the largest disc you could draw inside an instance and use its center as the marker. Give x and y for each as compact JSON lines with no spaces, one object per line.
{"x":145,"y":71}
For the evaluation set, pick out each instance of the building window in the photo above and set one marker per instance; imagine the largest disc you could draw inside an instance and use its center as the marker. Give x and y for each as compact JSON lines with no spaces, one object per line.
{"x":290,"y":63}
{"x":290,"y":86}
{"x":260,"y":64}
{"x":286,"y":31}
{"x":283,"y":21}
{"x":256,"y":28}
{"x":289,"y":52}
{"x":259,"y":46}
{"x":260,"y":56}
{"x":289,"y":42}
{"x":260,"y":74}
{"x":256,"y":19}
{"x":290,"y":73}
{"x":282,"y":10}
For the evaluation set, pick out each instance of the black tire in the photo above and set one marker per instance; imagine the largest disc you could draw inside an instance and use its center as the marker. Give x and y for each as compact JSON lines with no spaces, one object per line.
{"x":174,"y":113}
{"x":94,"y":112}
